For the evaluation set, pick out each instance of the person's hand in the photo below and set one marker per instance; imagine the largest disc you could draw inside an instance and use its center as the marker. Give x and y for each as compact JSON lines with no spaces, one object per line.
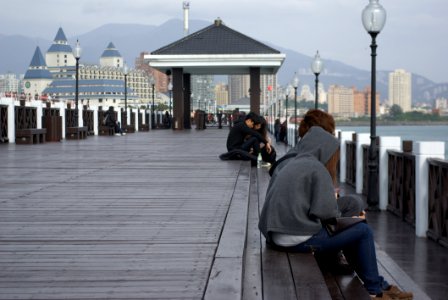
{"x":268,"y":148}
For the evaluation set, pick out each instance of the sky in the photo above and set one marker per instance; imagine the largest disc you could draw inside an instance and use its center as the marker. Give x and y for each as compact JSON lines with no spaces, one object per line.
{"x":415,"y":36}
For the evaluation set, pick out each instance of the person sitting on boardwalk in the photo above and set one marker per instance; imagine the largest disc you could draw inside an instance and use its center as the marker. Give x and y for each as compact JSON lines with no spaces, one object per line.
{"x":313,"y":117}
{"x":111,"y":121}
{"x":301,"y":199}
{"x":243,"y":142}
{"x":268,"y":155}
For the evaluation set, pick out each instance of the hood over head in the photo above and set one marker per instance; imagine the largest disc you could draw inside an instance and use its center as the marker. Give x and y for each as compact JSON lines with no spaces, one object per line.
{"x":319,"y":143}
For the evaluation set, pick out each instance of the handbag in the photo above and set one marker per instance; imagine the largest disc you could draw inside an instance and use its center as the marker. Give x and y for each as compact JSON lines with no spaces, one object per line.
{"x":337,"y":225}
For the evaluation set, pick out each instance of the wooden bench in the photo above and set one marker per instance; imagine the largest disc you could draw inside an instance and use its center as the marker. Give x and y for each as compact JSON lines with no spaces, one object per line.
{"x":288,"y":275}
{"x":30,"y":136}
{"x":76,"y":133}
{"x":106,"y":130}
{"x":143,"y":127}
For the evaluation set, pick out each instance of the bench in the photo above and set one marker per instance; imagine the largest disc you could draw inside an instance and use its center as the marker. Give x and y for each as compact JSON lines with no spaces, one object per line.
{"x":143,"y":127}
{"x":30,"y":136}
{"x":76,"y":133}
{"x":106,"y":130}
{"x":289,"y":275}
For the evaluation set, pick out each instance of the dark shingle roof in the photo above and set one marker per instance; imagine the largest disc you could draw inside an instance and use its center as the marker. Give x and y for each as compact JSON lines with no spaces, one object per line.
{"x":111,"y":51}
{"x":216,"y":39}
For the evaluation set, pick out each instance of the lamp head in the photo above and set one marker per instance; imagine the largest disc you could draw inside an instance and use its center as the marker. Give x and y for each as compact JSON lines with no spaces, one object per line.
{"x":317,"y":65}
{"x":373,"y":17}
{"x":78,"y":50}
{"x":125,"y":69}
{"x":170,"y":86}
{"x":295,"y":81}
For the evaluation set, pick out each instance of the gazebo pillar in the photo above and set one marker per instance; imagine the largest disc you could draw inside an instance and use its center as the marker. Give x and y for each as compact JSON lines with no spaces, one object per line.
{"x":178,"y":99}
{"x":255,"y":90}
{"x":187,"y":100}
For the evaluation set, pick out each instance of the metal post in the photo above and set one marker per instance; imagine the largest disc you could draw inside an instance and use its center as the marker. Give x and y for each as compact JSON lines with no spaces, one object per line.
{"x":295,"y":116}
{"x":372,"y":194}
{"x":316,"y":104}
{"x":153,"y":124}
{"x":76,"y":91}
{"x":125,"y":101}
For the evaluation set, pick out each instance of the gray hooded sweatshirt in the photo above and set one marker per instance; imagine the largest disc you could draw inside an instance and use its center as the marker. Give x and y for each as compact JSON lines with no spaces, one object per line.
{"x":302,"y":193}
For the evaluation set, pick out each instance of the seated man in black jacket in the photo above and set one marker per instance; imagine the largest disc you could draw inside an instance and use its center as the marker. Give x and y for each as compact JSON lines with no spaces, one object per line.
{"x":243,"y":137}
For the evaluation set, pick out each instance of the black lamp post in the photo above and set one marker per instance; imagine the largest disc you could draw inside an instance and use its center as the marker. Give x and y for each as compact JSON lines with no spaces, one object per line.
{"x":288,"y":92}
{"x":295,"y":84}
{"x":316,"y":67}
{"x":78,"y":51}
{"x":153,"y":117}
{"x":125,"y":72}
{"x":373,"y":19}
{"x":170,"y":89}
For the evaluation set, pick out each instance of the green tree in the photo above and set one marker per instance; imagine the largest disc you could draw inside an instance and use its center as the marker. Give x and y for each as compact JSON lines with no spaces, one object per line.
{"x":395,"y":111}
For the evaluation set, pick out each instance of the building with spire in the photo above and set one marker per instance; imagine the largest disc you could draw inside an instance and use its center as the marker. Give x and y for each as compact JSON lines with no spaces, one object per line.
{"x":37,"y":78}
{"x":59,"y":57}
{"x":111,"y":57}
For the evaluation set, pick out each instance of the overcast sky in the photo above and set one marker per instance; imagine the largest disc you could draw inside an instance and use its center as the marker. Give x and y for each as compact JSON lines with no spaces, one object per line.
{"x":415,"y":37}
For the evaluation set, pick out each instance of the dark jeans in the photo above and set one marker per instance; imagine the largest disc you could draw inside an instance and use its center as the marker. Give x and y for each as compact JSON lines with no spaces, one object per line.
{"x":251,"y":143}
{"x":359,"y":249}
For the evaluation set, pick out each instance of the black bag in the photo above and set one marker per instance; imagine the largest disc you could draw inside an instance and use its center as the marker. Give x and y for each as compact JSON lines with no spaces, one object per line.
{"x":337,"y":225}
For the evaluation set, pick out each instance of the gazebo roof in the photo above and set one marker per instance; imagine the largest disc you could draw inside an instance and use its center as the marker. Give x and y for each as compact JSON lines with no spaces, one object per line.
{"x":216,"y":49}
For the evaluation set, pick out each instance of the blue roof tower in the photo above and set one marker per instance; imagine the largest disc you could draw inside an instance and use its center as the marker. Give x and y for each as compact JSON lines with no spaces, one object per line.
{"x":38,"y":67}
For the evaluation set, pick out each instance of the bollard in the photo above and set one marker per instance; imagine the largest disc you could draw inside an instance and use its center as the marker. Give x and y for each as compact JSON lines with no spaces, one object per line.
{"x":423,"y":151}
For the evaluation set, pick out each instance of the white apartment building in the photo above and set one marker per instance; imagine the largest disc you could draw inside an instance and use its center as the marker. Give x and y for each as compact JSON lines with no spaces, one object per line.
{"x":400,"y":89}
{"x":340,"y":101}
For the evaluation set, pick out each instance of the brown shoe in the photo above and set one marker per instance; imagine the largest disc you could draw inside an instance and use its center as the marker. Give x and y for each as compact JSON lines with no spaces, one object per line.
{"x":395,"y":293}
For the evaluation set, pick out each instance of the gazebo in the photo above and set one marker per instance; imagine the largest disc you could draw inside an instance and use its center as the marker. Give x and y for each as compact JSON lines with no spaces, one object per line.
{"x":214,"y":50}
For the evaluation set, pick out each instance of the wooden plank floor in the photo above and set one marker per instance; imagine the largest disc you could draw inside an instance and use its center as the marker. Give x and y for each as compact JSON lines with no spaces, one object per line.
{"x":141,"y":217}
{"x":132,"y":217}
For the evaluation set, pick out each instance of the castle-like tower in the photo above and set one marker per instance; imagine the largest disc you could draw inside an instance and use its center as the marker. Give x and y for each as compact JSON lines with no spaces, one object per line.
{"x":37,"y":78}
{"x":60,"y":54}
{"x":111,"y":57}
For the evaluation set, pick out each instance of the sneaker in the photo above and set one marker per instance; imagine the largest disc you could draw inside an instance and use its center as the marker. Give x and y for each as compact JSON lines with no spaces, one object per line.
{"x":117,"y":134}
{"x":395,"y":293}
{"x":382,"y":296}
{"x":124,"y":133}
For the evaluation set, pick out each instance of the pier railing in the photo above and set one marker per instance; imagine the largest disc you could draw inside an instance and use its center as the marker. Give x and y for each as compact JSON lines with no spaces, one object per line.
{"x":413,"y":183}
{"x":17,"y":115}
{"x":438,"y":201}
{"x":401,"y":188}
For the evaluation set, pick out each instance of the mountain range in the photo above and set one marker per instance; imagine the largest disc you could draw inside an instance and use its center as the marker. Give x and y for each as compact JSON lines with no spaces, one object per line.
{"x":131,"y":39}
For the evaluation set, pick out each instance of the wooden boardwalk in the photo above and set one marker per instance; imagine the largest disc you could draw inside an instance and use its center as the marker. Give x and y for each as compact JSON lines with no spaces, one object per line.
{"x":151,"y":215}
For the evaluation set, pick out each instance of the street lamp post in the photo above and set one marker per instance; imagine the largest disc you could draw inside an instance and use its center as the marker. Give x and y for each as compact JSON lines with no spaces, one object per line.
{"x":295,"y":84}
{"x":373,"y":19}
{"x":125,"y":72}
{"x":316,"y":67}
{"x":153,"y":117}
{"x":78,"y":51}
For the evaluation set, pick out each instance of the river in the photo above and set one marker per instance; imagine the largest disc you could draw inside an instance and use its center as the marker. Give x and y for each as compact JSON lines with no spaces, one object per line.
{"x":415,"y":133}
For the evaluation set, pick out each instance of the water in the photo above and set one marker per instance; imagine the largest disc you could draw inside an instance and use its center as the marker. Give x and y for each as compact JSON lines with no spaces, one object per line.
{"x":415,"y":133}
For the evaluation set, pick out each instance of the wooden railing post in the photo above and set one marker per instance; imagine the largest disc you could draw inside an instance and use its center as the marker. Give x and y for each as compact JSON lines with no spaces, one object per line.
{"x":386,"y":143}
{"x":423,"y":151}
{"x":343,"y":137}
{"x":361,"y":139}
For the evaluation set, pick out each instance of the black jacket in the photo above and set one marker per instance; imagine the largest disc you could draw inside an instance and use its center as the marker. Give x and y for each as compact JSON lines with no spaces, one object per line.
{"x":238,"y":133}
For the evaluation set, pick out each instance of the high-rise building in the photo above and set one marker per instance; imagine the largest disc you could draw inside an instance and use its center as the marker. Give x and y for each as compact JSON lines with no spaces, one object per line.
{"x":362,"y":102}
{"x":221,"y":94}
{"x":10,"y":84}
{"x":400,"y":89}
{"x":239,"y":86}
{"x":340,"y":101}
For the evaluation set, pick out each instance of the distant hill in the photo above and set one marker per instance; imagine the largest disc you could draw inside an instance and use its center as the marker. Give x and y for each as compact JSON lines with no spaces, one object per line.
{"x":131,"y":39}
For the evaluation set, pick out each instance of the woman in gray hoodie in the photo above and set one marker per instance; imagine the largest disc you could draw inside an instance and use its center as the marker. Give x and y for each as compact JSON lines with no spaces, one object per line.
{"x":301,"y":196}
